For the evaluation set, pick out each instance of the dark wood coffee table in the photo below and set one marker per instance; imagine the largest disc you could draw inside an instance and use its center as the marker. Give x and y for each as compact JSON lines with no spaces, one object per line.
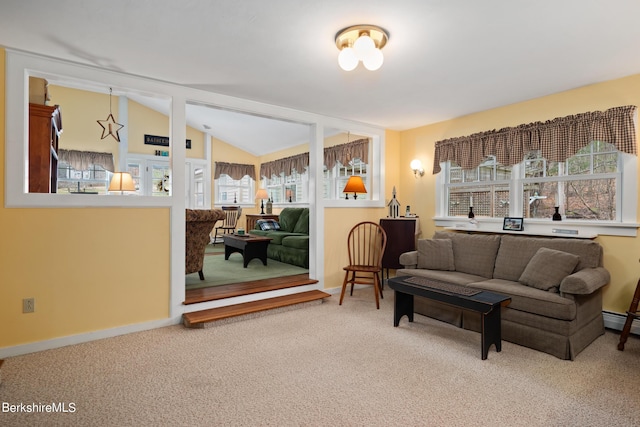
{"x":248,"y":245}
{"x":486,"y":303}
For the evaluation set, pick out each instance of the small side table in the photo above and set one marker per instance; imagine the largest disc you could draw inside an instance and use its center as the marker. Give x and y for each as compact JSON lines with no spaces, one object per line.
{"x":401,"y":237}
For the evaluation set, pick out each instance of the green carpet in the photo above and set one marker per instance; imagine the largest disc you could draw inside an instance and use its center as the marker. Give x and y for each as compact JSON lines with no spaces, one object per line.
{"x":218,"y":271}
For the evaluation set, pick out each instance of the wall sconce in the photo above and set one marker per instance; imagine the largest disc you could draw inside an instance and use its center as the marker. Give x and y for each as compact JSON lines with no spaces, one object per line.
{"x":354,"y":185}
{"x":122,"y":181}
{"x":416,"y":167}
{"x":361,"y":43}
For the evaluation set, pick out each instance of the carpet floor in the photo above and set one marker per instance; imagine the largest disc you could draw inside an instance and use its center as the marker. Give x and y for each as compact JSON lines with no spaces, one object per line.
{"x":218,"y":271}
{"x":323,"y":365}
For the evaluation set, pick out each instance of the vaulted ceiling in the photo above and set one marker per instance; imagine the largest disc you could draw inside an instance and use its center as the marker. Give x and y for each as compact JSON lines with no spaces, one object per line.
{"x":444,"y":58}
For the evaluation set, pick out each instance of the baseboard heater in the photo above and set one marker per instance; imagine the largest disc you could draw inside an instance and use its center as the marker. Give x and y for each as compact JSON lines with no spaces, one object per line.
{"x":564,"y":231}
{"x":616,"y":321}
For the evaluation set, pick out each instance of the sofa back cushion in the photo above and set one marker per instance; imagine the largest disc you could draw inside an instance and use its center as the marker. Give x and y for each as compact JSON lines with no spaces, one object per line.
{"x":436,"y":254}
{"x":288,"y":218}
{"x":302,"y":226}
{"x":547,"y":268}
{"x":516,"y":251}
{"x":473,"y":253}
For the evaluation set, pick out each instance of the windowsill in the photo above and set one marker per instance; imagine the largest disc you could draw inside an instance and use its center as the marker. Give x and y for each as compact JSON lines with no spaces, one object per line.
{"x":291,"y":204}
{"x":543,"y":227}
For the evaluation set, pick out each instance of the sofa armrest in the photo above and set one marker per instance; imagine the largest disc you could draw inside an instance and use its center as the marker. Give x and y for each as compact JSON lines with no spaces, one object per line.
{"x":585,"y":281}
{"x":409,"y":259}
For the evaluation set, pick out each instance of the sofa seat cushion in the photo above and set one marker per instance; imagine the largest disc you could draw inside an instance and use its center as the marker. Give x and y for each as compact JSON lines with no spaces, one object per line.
{"x":473,"y":253}
{"x":276,"y":235}
{"x":446,"y":276}
{"x":530,"y":300}
{"x":298,"y":241}
{"x":547,"y":268}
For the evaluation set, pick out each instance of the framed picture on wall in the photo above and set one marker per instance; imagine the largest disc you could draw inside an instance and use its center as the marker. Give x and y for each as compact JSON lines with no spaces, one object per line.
{"x":513,"y":224}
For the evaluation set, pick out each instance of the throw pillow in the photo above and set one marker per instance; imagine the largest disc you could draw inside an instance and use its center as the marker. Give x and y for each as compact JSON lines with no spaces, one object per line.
{"x":268,"y":224}
{"x":436,"y":254}
{"x":547,"y":268}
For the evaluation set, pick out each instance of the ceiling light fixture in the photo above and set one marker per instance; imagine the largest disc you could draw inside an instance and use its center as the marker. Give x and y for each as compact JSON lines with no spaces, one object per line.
{"x":361,"y":43}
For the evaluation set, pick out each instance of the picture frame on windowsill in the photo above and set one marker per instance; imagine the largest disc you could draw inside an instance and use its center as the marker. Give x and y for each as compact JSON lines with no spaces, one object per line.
{"x":513,"y":224}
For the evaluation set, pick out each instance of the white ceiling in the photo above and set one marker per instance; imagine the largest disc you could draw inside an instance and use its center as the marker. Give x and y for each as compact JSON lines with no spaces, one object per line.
{"x":444,"y":58}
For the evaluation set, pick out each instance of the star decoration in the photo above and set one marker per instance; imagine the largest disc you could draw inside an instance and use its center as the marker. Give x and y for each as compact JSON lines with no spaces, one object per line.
{"x":110,"y":127}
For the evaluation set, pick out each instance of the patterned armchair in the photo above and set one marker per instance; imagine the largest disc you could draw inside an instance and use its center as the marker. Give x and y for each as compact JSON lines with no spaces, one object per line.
{"x":199,"y":224}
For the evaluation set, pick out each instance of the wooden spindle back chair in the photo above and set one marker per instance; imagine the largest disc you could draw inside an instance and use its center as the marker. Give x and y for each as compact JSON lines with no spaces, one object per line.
{"x":366,"y":243}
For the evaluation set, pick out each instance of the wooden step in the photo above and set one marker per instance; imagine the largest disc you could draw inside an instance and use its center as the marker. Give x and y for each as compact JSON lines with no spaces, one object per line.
{"x":194,"y":296}
{"x":199,"y":319}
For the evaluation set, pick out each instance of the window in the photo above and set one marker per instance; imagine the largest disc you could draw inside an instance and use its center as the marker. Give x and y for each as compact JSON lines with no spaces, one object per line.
{"x":584,"y":187}
{"x":93,"y":180}
{"x":150,"y":176}
{"x":198,"y":186}
{"x":289,"y":188}
{"x":230,"y":190}
{"x":485,"y":188}
{"x":583,"y":165}
{"x":336,"y":178}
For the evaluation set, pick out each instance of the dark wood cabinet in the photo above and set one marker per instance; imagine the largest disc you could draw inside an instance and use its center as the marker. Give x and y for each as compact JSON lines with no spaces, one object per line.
{"x":45,"y":126}
{"x":401,"y":237}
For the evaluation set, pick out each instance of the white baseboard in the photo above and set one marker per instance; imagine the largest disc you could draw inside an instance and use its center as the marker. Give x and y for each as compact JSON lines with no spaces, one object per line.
{"x":82,"y":338}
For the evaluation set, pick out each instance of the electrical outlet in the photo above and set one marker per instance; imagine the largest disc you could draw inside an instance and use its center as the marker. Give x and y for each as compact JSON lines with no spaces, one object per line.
{"x":28,"y":305}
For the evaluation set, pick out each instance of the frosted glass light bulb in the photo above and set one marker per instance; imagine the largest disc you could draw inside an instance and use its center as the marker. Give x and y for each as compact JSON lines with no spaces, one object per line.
{"x":363,"y":45}
{"x":374,"y":60}
{"x":347,"y":59}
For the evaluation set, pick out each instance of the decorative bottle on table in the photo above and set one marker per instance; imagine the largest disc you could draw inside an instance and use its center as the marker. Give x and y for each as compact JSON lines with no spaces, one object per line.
{"x":556,"y":215}
{"x":269,"y":206}
{"x":471,"y":214}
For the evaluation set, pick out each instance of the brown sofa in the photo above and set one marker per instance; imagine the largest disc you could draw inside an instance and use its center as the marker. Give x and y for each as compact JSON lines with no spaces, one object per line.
{"x":555,"y":285}
{"x":199,"y":224}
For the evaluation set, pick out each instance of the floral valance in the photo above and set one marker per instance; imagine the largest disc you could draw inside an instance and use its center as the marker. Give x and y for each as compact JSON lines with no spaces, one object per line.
{"x":344,"y":153}
{"x":288,"y":165}
{"x":557,"y":139}
{"x":236,"y":171}
{"x":81,"y":160}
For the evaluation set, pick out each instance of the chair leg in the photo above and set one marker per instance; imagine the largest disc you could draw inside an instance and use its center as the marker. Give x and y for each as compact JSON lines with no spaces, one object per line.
{"x":344,"y":286}
{"x":376,"y":289}
{"x":201,"y":274}
{"x":631,"y":315}
{"x":352,"y":281}
{"x":381,"y":284}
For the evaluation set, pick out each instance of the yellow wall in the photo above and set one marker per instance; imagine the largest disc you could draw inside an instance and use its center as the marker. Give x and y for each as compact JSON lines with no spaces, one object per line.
{"x":145,"y":121}
{"x":88,"y":269}
{"x":620,"y":253}
{"x":82,"y":109}
{"x":80,"y":112}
